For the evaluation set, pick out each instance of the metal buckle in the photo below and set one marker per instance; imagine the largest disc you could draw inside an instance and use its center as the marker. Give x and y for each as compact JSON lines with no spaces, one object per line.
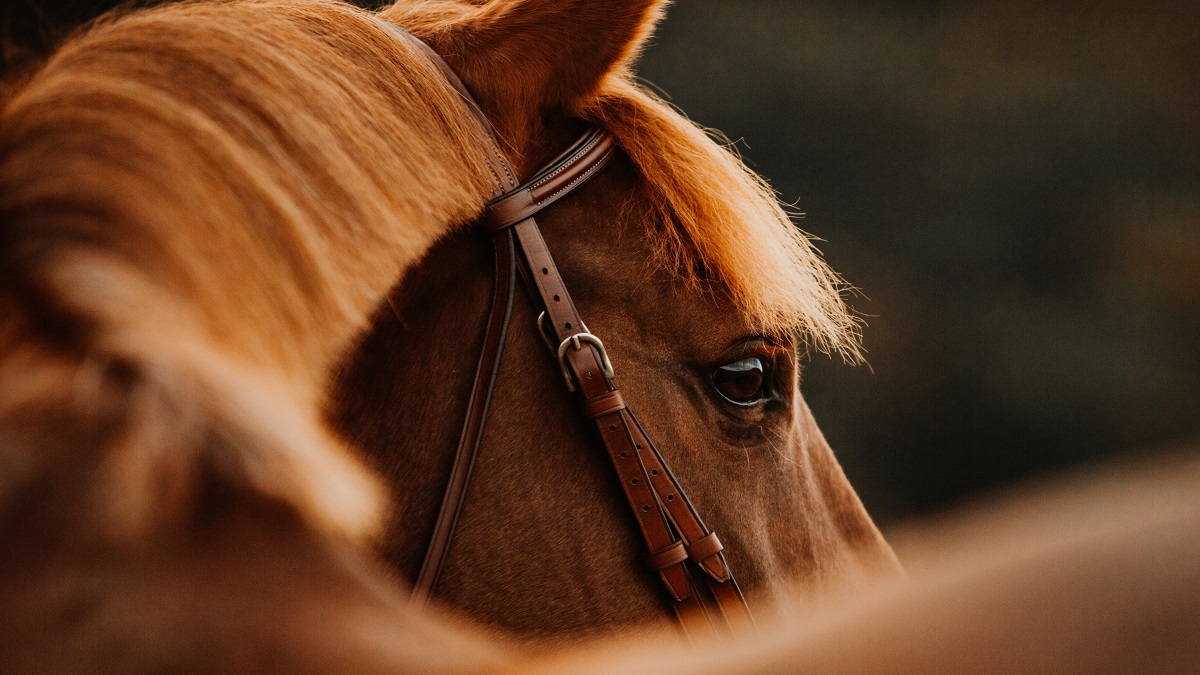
{"x":576,"y":342}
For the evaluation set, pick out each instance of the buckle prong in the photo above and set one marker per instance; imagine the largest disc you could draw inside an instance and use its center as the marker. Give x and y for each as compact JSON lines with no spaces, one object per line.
{"x":541,"y":325}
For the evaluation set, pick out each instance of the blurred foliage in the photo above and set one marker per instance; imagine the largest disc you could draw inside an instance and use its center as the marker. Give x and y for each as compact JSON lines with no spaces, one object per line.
{"x":1014,"y":188}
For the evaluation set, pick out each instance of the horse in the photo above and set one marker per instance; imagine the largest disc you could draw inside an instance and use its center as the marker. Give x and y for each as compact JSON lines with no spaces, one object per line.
{"x":212,"y":218}
{"x":241,"y":304}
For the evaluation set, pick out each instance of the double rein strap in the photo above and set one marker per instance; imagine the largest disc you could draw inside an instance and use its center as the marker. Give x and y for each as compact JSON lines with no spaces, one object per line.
{"x":669,"y":523}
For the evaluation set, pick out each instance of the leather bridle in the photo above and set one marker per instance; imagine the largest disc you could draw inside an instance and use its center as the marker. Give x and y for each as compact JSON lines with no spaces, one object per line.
{"x":682,"y":549}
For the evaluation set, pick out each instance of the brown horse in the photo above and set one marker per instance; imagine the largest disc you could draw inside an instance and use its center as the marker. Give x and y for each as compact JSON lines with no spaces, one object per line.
{"x":203,"y":208}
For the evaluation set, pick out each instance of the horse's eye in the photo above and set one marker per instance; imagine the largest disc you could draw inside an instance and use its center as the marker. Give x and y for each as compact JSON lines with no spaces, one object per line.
{"x":744,"y":382}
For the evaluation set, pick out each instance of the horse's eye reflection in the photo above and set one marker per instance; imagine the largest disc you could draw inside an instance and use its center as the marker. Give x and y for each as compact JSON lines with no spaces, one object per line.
{"x":744,"y":382}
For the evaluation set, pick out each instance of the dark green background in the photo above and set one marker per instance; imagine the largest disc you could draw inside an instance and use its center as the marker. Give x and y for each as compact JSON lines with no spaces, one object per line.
{"x":1014,"y":187}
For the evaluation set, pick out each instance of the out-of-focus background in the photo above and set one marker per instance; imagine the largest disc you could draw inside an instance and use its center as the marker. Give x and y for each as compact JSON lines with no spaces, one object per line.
{"x":1014,"y":188}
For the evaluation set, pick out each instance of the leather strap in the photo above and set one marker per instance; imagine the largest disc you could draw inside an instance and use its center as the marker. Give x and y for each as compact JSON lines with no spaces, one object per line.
{"x":472,"y":431}
{"x":636,"y":460}
{"x":587,"y":369}
{"x":665,"y":516}
{"x":488,"y":367}
{"x":703,"y":545}
{"x":502,"y":173}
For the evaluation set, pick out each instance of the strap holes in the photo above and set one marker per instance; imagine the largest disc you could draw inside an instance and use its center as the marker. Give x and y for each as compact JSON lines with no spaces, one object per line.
{"x":645,"y":507}
{"x":612,"y":427}
{"x":568,"y":325}
{"x":623,"y":455}
{"x":653,"y":472}
{"x":670,"y":498}
{"x":556,"y":298}
{"x":634,"y":481}
{"x":638,"y":446}
{"x":545,"y":270}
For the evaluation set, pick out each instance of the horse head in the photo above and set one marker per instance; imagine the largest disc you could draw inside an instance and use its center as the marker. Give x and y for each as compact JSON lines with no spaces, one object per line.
{"x":706,"y":298}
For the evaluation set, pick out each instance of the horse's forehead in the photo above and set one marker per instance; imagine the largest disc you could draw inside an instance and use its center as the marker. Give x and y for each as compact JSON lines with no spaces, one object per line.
{"x":604,"y":244}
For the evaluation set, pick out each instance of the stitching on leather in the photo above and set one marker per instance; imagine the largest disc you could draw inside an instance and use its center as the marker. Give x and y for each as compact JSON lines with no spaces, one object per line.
{"x":599,"y":162}
{"x":502,"y":162}
{"x":570,"y":161}
{"x":496,"y":177}
{"x":581,"y":177}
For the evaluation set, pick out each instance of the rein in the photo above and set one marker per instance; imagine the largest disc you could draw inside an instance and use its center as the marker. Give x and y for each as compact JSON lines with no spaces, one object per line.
{"x":673,"y":530}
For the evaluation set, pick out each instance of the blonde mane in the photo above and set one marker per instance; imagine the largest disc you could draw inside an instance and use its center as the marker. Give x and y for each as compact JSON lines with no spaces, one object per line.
{"x":718,"y":215}
{"x":202,"y":205}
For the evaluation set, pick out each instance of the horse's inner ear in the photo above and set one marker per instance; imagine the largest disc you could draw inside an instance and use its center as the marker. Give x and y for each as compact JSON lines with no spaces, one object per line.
{"x":525,"y":58}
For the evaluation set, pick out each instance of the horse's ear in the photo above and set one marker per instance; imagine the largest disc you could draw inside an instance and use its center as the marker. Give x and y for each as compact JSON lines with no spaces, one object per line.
{"x":525,"y":58}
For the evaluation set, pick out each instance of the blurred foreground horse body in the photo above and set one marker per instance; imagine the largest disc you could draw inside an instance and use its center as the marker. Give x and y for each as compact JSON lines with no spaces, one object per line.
{"x":240,"y":313}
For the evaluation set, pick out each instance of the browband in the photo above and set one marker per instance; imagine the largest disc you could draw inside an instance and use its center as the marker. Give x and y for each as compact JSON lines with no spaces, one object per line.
{"x":668,"y":521}
{"x":571,"y":169}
